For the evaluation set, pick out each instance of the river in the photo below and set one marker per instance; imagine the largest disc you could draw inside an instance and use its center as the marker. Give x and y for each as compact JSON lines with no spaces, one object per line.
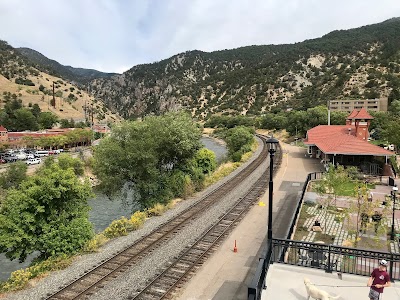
{"x":104,"y":211}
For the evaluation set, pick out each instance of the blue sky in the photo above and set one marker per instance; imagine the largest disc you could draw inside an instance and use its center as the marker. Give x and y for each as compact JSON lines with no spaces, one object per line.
{"x":114,"y":35}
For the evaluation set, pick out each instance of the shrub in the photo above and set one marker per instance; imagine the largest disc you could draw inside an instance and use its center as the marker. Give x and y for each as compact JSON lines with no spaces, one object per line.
{"x":117,"y":228}
{"x":137,"y":219}
{"x":222,"y":171}
{"x":97,"y":241}
{"x":24,"y":81}
{"x":123,"y":225}
{"x":157,"y":210}
{"x":17,"y":280}
{"x":394,"y":164}
{"x":20,"y":278}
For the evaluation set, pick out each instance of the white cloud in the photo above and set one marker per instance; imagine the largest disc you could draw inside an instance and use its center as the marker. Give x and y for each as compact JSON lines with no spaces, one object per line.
{"x":113,"y":35}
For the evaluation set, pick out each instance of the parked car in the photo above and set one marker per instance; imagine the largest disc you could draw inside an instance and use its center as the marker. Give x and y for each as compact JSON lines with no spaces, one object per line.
{"x":33,"y":161}
{"x":10,"y":158}
{"x":30,"y":156}
{"x":389,"y":147}
{"x":20,"y":155}
{"x":41,"y":153}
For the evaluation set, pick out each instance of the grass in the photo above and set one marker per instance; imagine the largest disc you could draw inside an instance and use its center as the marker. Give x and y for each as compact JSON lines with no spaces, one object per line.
{"x":347,"y":189}
{"x":304,"y":215}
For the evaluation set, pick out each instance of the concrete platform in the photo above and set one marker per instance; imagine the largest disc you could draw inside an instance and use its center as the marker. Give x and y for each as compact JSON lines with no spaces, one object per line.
{"x":226,"y":274}
{"x":286,"y":282}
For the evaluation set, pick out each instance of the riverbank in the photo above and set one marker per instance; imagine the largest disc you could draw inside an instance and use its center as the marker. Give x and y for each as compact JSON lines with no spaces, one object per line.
{"x":103,"y":209}
{"x":86,"y":262}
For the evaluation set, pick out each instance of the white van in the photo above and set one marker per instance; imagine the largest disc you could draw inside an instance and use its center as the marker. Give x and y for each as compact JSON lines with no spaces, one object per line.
{"x":41,"y":153}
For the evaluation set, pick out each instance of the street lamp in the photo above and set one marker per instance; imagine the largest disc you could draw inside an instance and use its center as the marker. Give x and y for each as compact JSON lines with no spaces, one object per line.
{"x":272,"y":144}
{"x":393,"y":194}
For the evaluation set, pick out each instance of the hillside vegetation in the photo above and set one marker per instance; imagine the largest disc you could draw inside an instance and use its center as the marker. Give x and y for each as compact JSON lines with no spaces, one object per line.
{"x":20,"y":79}
{"x":78,"y":76}
{"x":356,"y":63}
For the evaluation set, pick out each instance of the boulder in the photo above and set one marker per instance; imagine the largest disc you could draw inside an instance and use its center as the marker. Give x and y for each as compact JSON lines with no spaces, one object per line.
{"x":317,"y":228}
{"x":310,"y":197}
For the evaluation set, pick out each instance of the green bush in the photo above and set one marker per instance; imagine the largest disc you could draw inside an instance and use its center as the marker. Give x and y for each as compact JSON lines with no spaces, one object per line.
{"x":20,"y":278}
{"x":137,"y":219}
{"x":95,"y":243}
{"x":157,"y":210}
{"x":117,"y":228}
{"x":24,"y":81}
{"x":394,"y":164}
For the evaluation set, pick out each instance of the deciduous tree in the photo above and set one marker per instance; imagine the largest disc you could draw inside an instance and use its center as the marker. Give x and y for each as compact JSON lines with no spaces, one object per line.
{"x":145,"y":154}
{"x":47,"y":213}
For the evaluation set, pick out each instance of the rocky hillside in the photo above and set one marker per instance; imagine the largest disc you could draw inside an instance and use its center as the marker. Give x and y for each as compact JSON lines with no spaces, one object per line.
{"x":21,"y":79}
{"x":78,"y":76}
{"x":357,"y":63}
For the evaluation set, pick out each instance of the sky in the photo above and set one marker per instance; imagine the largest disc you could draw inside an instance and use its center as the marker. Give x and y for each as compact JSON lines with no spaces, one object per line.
{"x":115,"y":35}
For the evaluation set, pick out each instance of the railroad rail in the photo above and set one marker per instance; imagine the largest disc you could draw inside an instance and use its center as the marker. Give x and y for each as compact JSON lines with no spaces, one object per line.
{"x":178,"y":273}
{"x":111,"y":268}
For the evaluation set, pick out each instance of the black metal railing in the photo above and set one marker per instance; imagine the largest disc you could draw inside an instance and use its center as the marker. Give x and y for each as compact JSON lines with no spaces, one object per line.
{"x":333,"y":258}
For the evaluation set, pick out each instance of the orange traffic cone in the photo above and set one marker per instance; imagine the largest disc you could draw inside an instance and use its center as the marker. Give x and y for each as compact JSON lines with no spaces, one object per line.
{"x":235,"y":248}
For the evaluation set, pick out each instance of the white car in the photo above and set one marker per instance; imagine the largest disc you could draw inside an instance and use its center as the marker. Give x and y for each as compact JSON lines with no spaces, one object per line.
{"x":20,"y":155}
{"x":33,"y":161}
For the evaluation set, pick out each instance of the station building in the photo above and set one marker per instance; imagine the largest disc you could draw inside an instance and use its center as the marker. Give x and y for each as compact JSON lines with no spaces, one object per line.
{"x":348,"y":145}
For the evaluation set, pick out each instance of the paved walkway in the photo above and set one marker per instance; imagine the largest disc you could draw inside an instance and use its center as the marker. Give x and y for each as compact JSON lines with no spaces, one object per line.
{"x":226,"y":274}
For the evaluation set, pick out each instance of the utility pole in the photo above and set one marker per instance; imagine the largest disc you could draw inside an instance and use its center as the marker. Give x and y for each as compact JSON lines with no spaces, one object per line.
{"x":329,"y":112}
{"x":53,"y":101}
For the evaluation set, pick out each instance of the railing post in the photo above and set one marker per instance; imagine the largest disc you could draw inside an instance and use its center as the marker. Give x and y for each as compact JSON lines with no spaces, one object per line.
{"x":391,"y":268}
{"x":328,"y":268}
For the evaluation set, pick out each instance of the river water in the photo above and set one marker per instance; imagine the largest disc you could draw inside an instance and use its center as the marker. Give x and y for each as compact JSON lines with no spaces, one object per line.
{"x":104,"y":211}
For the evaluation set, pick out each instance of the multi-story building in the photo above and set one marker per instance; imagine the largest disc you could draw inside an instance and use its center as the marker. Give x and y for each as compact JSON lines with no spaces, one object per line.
{"x":379,"y":104}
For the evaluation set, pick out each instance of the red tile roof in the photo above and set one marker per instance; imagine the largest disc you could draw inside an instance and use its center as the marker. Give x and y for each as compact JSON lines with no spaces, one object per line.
{"x":338,"y":139}
{"x":2,"y":128}
{"x":352,"y":114}
{"x":363,"y":114}
{"x":13,"y":135}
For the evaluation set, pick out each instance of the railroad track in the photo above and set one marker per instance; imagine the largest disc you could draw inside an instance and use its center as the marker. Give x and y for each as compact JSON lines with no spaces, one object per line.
{"x":109,"y":269}
{"x":178,"y":273}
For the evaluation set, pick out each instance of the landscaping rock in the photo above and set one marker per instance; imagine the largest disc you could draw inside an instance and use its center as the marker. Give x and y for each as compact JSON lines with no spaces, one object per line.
{"x":317,"y":228}
{"x":310,"y":197}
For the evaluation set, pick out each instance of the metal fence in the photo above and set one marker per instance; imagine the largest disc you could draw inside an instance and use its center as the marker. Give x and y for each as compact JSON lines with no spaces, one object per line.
{"x":333,"y":258}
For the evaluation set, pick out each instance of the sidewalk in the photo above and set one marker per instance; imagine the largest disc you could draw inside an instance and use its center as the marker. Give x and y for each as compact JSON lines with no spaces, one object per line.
{"x":226,"y":274}
{"x":350,"y":287}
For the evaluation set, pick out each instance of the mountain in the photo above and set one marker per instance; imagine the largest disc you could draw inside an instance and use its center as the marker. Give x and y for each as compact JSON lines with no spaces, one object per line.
{"x":356,"y":63}
{"x":21,"y":79}
{"x":76,"y":75}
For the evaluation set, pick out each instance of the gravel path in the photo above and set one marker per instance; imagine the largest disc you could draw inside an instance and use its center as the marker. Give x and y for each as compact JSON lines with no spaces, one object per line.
{"x":127,"y":283}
